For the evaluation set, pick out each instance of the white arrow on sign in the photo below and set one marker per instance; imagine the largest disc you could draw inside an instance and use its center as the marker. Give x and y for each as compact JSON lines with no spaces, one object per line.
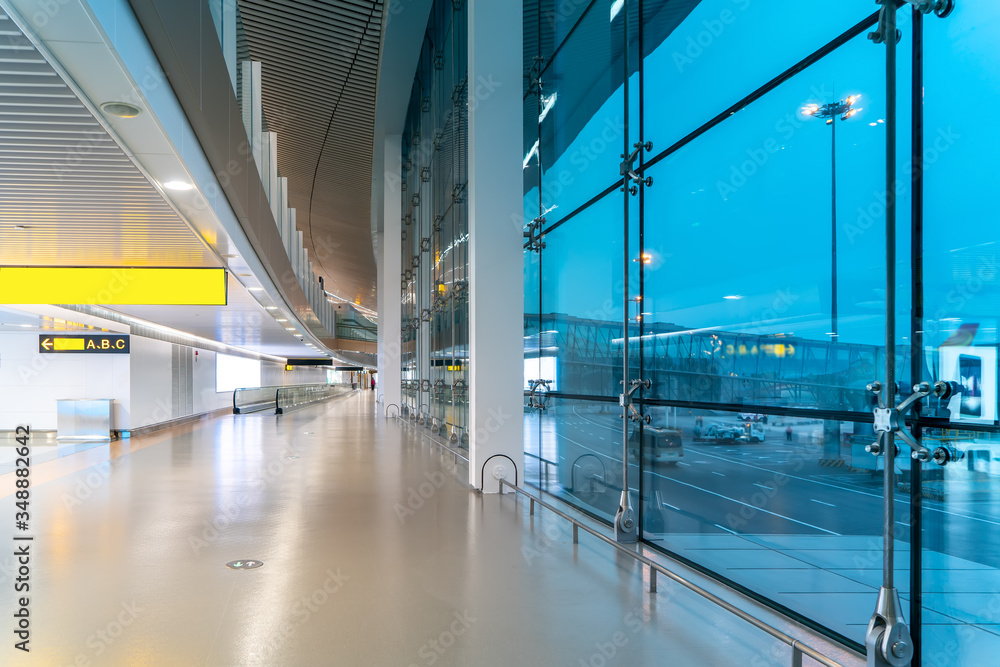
{"x":47,"y":343}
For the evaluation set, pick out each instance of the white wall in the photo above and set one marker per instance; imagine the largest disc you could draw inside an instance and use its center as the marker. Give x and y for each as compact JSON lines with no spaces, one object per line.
{"x":31,"y":382}
{"x":151,"y":366}
{"x":140,"y":384}
{"x":274,"y":375}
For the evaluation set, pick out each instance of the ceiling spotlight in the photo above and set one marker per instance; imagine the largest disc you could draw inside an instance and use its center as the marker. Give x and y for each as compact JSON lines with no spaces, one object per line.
{"x":281,"y":320}
{"x":121,"y":109}
{"x":270,"y":307}
{"x":180,"y":186}
{"x":256,"y":289}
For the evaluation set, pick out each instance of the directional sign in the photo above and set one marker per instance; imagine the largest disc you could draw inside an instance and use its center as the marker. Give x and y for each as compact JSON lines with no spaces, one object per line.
{"x":83,"y":344}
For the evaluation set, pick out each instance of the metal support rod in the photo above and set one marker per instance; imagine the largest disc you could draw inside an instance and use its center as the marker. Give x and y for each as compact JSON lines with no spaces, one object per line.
{"x":531,"y":511}
{"x":833,"y":239}
{"x":796,"y":656}
{"x":888,"y":387}
{"x":625,"y":525}
{"x":576,"y":534}
{"x":652,"y":580}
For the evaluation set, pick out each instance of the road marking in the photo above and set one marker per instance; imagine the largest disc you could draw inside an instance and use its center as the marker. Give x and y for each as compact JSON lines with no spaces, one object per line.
{"x":677,"y":509}
{"x":726,"y":529}
{"x":925,"y":506}
{"x":821,"y":502}
{"x":681,"y":463}
{"x":740,"y":502}
{"x":704,"y":462}
{"x":718,"y":473}
{"x":769,"y":488}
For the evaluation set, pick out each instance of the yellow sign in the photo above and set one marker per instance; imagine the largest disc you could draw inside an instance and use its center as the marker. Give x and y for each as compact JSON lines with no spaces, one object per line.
{"x":107,"y":286}
{"x":84,"y":343}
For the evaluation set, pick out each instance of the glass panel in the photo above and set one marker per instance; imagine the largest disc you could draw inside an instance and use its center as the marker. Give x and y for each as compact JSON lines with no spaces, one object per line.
{"x":580,"y":456}
{"x":738,"y":229}
{"x":582,"y":127}
{"x":961,"y":514}
{"x":692,"y":47}
{"x":435,"y":231}
{"x":746,"y":495}
{"x":582,"y":298}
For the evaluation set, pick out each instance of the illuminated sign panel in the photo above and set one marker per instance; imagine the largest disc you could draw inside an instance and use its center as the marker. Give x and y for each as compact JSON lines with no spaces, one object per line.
{"x":84,"y":344}
{"x":108,"y":286}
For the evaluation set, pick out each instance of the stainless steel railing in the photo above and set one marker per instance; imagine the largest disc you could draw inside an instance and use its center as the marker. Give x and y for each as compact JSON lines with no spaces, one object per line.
{"x":799,"y":648}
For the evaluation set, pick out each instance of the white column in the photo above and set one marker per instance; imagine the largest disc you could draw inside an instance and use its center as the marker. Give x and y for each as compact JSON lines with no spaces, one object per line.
{"x":495,"y":243}
{"x":389,"y":293}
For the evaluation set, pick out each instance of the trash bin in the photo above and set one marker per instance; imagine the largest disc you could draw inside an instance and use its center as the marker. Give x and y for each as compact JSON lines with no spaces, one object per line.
{"x":354,"y":385}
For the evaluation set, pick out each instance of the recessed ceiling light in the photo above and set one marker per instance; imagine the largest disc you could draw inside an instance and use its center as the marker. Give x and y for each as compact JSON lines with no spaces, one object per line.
{"x":733,"y":297}
{"x":256,"y":289}
{"x":178,"y":185}
{"x":121,"y":109}
{"x":281,"y":320}
{"x":271,"y":307}
{"x":289,"y":329}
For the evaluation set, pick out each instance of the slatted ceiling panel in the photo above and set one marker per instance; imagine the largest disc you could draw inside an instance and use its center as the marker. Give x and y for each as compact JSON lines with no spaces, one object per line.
{"x":319,"y":70}
{"x":78,"y":197}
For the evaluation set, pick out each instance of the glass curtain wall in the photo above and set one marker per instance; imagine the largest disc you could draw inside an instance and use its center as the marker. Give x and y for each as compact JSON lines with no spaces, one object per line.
{"x":747,"y":262}
{"x":435,"y":231}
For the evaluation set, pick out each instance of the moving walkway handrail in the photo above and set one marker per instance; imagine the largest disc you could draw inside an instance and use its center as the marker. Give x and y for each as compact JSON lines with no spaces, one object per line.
{"x":798,"y":648}
{"x":264,"y":398}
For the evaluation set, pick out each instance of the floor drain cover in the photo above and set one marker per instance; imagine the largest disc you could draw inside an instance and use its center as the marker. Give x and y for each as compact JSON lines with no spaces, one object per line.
{"x":244,"y":564}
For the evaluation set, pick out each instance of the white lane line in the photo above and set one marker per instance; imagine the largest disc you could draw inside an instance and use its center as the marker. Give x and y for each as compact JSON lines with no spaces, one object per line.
{"x":704,"y":462}
{"x":821,"y":502}
{"x":845,"y":488}
{"x":677,"y":509}
{"x":726,"y":529}
{"x":718,"y":473}
{"x":753,"y":507}
{"x":925,"y":506}
{"x":686,"y":465}
{"x":769,"y":488}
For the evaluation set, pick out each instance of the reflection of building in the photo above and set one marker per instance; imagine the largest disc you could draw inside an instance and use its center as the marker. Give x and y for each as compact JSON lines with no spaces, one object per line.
{"x":706,"y":365}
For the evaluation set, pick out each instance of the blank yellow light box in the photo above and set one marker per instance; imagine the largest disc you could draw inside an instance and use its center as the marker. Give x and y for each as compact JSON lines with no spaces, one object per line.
{"x":107,"y":286}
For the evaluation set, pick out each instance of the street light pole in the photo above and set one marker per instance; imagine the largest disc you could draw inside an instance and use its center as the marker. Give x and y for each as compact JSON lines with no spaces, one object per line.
{"x":845,"y":109}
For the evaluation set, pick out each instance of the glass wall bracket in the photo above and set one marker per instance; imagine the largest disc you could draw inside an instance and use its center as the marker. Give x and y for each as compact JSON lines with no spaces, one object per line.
{"x":890,"y":420}
{"x":628,"y":167}
{"x":538,"y":397}
{"x":534,"y":235}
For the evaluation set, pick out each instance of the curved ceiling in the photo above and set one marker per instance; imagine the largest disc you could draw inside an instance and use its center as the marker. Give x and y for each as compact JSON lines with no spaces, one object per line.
{"x":319,"y":70}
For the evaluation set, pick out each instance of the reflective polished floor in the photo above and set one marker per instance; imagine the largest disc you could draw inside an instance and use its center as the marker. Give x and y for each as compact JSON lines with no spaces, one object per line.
{"x":374,"y":551}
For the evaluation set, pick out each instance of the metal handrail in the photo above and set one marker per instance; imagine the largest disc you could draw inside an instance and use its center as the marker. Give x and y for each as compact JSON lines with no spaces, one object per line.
{"x":798,"y":648}
{"x":431,"y":438}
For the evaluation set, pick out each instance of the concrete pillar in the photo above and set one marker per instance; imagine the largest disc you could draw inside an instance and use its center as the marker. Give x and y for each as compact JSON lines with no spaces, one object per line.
{"x":495,"y":243}
{"x":389,"y":292}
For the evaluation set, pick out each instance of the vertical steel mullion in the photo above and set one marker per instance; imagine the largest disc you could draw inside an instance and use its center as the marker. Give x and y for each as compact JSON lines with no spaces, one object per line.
{"x":642,"y":247}
{"x":541,"y":209}
{"x":888,"y":390}
{"x":916,"y":330}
